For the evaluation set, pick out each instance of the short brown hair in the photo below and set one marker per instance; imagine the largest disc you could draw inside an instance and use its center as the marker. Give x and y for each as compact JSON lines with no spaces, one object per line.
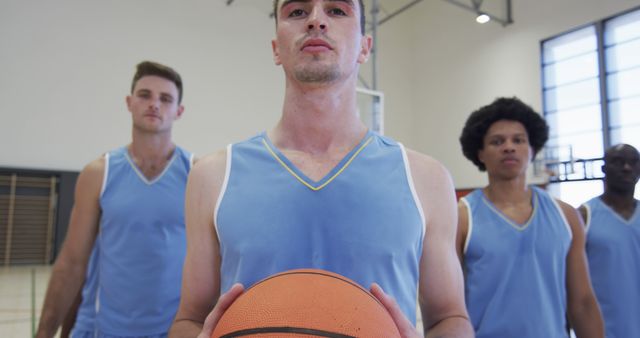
{"x":363,"y":18}
{"x":147,"y":68}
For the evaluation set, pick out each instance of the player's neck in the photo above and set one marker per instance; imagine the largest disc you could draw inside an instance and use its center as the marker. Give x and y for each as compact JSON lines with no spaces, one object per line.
{"x":152,"y":148}
{"x":513,"y":191}
{"x":621,"y":203}
{"x":315,"y":119}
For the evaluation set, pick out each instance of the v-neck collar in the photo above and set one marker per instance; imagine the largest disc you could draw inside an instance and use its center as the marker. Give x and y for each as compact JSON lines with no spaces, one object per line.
{"x":618,"y":216}
{"x":514,"y":224}
{"x":139,"y":172}
{"x":329,"y":177}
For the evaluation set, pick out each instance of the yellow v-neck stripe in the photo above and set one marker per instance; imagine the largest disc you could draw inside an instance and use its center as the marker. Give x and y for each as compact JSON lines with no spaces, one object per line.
{"x":292,"y":172}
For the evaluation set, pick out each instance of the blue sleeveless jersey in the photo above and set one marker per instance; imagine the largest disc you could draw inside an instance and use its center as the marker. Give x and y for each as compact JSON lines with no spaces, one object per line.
{"x":362,"y":220}
{"x":142,"y":246}
{"x":613,"y":251}
{"x":515,"y":273}
{"x":86,"y":315}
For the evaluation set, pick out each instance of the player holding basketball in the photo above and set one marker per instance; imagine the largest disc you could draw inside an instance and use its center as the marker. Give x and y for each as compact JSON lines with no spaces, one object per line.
{"x":613,"y":242}
{"x":130,"y":204}
{"x":321,"y":191}
{"x":521,"y":250}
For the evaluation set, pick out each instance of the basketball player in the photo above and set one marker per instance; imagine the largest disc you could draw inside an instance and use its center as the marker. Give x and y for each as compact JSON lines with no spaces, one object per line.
{"x":521,"y":250}
{"x":319,"y":190}
{"x":128,"y":202}
{"x":613,"y":242}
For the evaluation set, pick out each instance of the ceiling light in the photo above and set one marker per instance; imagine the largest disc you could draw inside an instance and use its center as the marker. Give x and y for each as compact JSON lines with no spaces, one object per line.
{"x":483,"y":18}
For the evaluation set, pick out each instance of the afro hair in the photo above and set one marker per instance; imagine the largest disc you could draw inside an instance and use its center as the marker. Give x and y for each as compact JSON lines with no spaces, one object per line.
{"x":512,"y":109}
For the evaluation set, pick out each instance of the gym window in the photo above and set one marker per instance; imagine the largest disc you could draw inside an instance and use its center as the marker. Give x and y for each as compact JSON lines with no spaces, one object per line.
{"x":591,"y":100}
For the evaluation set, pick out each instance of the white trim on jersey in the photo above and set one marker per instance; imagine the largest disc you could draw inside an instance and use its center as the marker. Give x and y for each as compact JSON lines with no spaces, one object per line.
{"x":469,"y":226}
{"x":106,"y":173}
{"x":141,"y":175}
{"x":223,"y":189}
{"x":416,"y":200}
{"x":564,"y":218}
{"x":104,"y":186}
{"x":97,"y":301}
{"x":587,"y":222}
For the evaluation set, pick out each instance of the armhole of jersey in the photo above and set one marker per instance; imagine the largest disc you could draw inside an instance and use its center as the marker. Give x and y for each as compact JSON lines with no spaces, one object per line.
{"x":106,"y":174}
{"x":191,"y":158}
{"x":564,"y":218}
{"x":416,"y":200}
{"x":469,"y":225}
{"x":223,"y":189}
{"x":587,"y":222}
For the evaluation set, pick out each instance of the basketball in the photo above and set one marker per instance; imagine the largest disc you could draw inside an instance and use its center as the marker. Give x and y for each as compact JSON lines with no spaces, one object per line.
{"x":306,"y":303}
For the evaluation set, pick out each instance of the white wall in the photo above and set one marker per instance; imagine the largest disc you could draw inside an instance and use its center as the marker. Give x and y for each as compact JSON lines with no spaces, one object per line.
{"x":460,"y":66}
{"x":66,"y":66}
{"x":395,"y":71}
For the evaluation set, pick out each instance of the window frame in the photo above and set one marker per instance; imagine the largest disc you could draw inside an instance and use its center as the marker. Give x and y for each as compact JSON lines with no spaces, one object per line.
{"x":599,"y":28}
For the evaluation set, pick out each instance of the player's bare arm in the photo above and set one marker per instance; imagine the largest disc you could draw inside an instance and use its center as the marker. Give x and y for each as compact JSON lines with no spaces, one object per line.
{"x":582,"y":210}
{"x":441,"y":290}
{"x":201,"y":273}
{"x":70,"y":267}
{"x":583,"y":309}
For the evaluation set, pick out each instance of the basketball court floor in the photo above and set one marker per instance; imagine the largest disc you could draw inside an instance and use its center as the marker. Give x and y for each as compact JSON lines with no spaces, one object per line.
{"x":22,"y":290}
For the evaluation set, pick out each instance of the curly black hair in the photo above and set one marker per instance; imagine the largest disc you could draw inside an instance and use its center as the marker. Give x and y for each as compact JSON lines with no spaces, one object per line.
{"x":512,"y":109}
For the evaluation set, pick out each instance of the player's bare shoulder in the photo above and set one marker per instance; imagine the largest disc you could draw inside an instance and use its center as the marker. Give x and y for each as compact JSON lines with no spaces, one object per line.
{"x":210,"y":165}
{"x":426,"y":170}
{"x":434,"y":187}
{"x":571,"y":214}
{"x":569,"y":211}
{"x":92,"y":177}
{"x":95,"y":167}
{"x":207,"y":175}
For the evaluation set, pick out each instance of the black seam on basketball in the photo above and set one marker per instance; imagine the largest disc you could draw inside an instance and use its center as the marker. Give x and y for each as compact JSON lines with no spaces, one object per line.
{"x":321,"y":274}
{"x":285,"y":329}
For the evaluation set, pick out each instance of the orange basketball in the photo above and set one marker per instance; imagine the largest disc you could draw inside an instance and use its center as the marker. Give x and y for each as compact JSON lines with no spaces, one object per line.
{"x":306,"y":303}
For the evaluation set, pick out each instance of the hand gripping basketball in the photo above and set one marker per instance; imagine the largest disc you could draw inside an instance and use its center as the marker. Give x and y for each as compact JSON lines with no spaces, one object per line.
{"x":305,"y":303}
{"x":221,"y":306}
{"x":407,"y":330}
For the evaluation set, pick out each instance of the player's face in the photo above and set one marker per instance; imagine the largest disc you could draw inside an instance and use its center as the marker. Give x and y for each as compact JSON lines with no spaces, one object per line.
{"x":622,"y":168}
{"x":154,"y":104}
{"x":319,"y":41}
{"x":506,"y":150}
